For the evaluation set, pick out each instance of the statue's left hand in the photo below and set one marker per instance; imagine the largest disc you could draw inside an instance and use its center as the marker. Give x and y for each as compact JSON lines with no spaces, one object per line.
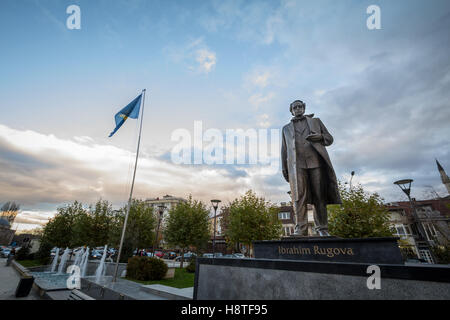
{"x":315,"y":137}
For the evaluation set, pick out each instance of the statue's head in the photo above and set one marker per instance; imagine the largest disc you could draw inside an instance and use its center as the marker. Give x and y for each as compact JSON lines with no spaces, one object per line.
{"x":297,"y":108}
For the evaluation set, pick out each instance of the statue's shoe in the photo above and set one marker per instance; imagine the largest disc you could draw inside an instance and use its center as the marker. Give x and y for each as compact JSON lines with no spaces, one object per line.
{"x":324,"y":233}
{"x":298,"y":232}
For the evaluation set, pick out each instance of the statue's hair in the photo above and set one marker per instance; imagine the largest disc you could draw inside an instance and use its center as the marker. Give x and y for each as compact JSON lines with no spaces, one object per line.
{"x":296,"y":101}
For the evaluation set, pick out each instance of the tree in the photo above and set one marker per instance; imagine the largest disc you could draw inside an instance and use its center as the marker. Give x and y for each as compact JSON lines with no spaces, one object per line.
{"x":59,"y":231}
{"x":93,"y":227}
{"x":140,"y":228}
{"x":251,"y":218}
{"x":43,"y":254}
{"x":361,"y":215}
{"x":187,"y":225}
{"x":62,"y":230}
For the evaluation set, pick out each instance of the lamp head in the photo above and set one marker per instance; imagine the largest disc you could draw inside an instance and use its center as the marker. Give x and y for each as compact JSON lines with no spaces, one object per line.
{"x":405,"y":185}
{"x":161,"y":208}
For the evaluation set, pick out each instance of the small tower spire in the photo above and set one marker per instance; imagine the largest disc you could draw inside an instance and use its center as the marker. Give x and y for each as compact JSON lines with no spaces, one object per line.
{"x":444,"y":177}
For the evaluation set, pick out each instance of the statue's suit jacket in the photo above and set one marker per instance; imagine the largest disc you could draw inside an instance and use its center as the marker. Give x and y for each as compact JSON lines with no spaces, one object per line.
{"x":289,"y":159}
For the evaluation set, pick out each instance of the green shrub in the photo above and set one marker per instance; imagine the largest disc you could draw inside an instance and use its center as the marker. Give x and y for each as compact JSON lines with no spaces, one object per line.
{"x":43,"y":255}
{"x":146,"y":269}
{"x":442,"y":254}
{"x":23,"y":253}
{"x":133,"y":267}
{"x":191,"y":267}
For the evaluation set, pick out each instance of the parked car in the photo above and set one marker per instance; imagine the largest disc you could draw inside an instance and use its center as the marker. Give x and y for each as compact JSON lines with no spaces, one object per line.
{"x":239,"y":255}
{"x":53,"y":252}
{"x":159,"y":254}
{"x":187,"y":256}
{"x":218,"y":255}
{"x":228,"y":256}
{"x":208,"y":255}
{"x":96,"y":254}
{"x":170,"y":255}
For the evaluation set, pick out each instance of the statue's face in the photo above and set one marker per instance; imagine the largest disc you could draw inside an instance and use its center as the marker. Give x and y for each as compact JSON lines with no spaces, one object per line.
{"x":298,"y":109}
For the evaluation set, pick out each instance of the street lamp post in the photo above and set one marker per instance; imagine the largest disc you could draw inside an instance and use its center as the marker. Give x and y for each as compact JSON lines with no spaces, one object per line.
{"x":215,"y":204}
{"x":161,"y":209}
{"x":353,"y":173}
{"x":405,"y":186}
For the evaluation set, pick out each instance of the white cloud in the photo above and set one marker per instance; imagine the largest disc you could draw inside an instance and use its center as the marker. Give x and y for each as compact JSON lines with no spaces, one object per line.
{"x":261,"y":79}
{"x":83,"y":139}
{"x":259,"y":99}
{"x":264,"y":121}
{"x":196,"y":55}
{"x":206,"y":60}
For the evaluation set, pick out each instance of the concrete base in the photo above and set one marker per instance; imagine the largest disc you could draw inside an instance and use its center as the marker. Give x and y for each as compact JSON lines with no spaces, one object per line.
{"x":120,"y":290}
{"x":169,"y":292}
{"x":56,"y":295}
{"x":264,"y":279}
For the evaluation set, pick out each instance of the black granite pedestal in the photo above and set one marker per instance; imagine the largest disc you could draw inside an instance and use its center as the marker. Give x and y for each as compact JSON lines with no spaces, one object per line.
{"x":331,"y":249}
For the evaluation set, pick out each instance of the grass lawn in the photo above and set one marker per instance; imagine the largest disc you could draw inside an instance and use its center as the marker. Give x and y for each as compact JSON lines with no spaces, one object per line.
{"x":182,"y":279}
{"x":29,"y":263}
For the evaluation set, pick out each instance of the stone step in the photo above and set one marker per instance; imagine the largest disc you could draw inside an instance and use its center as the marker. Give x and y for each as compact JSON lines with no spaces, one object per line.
{"x":170,"y":293}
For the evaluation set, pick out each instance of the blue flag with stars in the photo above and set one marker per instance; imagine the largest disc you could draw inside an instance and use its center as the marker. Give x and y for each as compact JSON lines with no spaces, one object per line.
{"x":130,"y":111}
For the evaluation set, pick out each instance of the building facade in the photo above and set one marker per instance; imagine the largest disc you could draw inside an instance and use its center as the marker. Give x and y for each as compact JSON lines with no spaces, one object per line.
{"x":286,"y":215}
{"x":168,"y":202}
{"x":27,"y":240}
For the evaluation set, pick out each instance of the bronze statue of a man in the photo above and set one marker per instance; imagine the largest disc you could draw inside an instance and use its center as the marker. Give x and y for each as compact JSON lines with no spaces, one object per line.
{"x":308,"y":169}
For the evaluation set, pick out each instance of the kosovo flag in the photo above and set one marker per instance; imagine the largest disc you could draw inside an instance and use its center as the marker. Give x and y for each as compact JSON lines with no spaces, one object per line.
{"x":130,"y":111}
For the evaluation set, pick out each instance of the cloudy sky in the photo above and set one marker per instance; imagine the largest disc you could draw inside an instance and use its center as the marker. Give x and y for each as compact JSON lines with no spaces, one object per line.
{"x":383,"y":94}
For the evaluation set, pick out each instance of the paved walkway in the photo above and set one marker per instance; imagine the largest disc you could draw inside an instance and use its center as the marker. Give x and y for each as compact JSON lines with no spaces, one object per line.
{"x":9,"y":279}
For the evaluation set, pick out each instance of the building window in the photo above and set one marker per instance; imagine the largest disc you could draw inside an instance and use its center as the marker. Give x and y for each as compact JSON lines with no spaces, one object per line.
{"x":284,"y":215}
{"x":408,"y":230}
{"x":402,"y":230}
{"x":429,"y":230}
{"x":287,"y":231}
{"x":414,"y":229}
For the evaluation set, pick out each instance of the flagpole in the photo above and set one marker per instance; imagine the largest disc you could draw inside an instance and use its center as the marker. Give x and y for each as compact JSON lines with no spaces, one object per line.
{"x":131,"y":192}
